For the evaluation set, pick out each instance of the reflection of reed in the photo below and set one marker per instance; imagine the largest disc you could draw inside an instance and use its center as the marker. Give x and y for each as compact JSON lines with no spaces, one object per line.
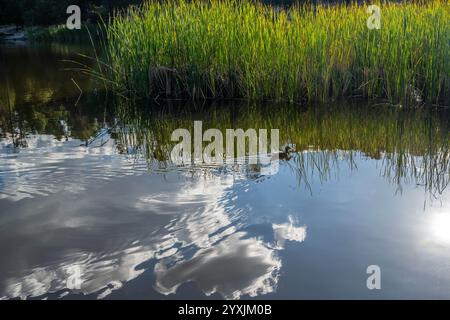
{"x":430,"y":170}
{"x":412,"y":145}
{"x":324,"y":165}
{"x":9,"y":120}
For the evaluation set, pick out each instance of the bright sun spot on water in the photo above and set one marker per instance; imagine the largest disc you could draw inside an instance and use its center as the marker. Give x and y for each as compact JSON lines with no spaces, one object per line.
{"x":440,"y":227}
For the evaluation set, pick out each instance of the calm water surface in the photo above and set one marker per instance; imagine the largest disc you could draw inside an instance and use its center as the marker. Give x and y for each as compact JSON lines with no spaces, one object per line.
{"x":91,"y":207}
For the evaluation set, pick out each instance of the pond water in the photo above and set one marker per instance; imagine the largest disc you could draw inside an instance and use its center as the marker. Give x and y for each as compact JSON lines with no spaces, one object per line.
{"x":91,"y":206}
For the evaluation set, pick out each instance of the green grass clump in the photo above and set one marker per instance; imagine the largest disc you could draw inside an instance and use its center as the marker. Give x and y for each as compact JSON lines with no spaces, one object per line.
{"x":239,"y":49}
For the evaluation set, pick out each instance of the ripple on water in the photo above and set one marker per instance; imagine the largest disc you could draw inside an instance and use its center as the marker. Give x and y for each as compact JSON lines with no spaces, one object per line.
{"x":90,"y":236}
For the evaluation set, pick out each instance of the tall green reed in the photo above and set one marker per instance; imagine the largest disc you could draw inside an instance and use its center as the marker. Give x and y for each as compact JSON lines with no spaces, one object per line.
{"x":240,"y":49}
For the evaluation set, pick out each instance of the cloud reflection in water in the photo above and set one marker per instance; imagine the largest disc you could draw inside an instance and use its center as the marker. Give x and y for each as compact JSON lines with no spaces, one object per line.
{"x":188,"y":225}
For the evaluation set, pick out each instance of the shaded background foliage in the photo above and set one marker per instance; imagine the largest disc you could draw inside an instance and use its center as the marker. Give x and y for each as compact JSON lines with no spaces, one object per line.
{"x":50,"y":12}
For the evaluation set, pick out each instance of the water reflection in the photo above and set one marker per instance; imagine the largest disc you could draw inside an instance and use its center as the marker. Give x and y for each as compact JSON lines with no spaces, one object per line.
{"x":37,"y":76}
{"x":412,"y":146}
{"x":440,"y":227}
{"x":106,"y":236}
{"x":92,"y":207}
{"x":214,"y":269}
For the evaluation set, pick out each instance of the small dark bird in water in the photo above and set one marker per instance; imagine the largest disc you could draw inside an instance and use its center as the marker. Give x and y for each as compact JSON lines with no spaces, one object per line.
{"x":286,"y":154}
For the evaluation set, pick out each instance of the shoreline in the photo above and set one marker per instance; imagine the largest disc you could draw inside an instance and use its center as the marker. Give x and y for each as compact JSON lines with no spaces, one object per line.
{"x":12,"y":33}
